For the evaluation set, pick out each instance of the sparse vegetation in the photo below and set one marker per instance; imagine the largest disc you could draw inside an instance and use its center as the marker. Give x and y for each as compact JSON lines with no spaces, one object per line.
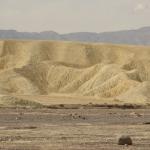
{"x":10,"y":101}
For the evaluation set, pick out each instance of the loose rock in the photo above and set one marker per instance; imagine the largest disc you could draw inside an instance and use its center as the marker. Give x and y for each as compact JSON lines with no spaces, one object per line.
{"x":125,"y":140}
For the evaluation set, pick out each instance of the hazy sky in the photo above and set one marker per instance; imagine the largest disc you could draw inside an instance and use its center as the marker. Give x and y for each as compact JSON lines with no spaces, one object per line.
{"x":74,"y":15}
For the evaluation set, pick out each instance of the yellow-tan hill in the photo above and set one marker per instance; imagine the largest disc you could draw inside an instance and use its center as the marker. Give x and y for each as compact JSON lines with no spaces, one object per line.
{"x":81,"y":69}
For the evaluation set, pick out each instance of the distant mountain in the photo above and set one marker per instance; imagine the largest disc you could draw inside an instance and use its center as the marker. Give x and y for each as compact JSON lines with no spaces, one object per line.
{"x":138,"y":37}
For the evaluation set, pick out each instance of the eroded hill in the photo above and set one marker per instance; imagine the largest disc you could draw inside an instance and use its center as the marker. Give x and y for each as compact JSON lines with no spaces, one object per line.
{"x":79,"y":69}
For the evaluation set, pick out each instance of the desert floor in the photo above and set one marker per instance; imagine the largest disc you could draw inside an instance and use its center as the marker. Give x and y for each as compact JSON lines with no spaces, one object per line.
{"x":72,"y":129}
{"x":72,"y":95}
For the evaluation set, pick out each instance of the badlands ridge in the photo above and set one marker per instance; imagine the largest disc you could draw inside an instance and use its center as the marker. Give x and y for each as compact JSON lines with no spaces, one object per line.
{"x":101,"y":71}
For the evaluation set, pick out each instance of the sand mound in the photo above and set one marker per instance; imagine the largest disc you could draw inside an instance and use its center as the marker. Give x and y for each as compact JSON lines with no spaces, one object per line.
{"x":80,"y":69}
{"x":140,"y":93}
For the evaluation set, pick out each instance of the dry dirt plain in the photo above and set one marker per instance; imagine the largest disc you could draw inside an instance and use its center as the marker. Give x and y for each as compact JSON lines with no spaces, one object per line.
{"x":71,"y":129}
{"x":52,"y":95}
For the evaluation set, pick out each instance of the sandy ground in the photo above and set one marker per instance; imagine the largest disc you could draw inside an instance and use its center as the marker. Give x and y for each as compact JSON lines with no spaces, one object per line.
{"x":74,"y":95}
{"x":72,"y":129}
